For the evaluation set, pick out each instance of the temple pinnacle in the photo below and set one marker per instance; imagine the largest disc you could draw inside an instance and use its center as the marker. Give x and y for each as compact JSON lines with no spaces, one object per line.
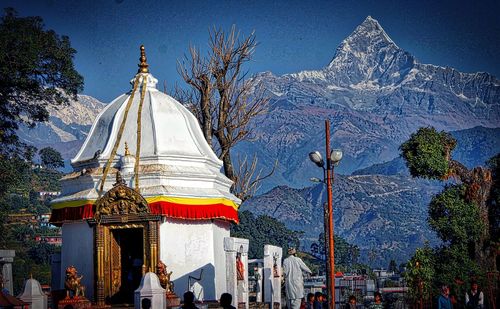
{"x":127,"y":152}
{"x":143,"y":65}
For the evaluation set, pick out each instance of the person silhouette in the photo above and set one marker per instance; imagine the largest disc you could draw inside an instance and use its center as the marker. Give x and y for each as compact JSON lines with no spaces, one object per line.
{"x":188,"y":301}
{"x":225,"y":301}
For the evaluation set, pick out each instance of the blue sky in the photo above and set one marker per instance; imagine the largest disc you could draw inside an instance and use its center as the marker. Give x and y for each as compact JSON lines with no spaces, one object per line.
{"x":292,"y":35}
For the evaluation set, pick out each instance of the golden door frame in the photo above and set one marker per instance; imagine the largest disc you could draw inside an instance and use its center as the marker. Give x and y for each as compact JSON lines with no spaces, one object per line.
{"x":103,"y":246}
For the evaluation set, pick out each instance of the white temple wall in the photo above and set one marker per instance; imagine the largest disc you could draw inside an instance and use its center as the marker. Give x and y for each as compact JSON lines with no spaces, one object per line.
{"x":187,"y":247}
{"x":78,"y":250}
{"x":221,"y":230}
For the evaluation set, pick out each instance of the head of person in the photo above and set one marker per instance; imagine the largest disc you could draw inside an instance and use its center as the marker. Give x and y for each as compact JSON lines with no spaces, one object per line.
{"x":378,"y":297}
{"x":352,"y":299}
{"x":226,"y":299}
{"x":188,"y":297}
{"x":474,"y":286}
{"x":292,"y":251}
{"x":318,"y":296}
{"x":445,"y":290}
{"x":310,"y":297}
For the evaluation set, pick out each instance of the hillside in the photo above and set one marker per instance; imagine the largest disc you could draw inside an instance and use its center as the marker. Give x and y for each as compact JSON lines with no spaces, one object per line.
{"x":384,"y":214}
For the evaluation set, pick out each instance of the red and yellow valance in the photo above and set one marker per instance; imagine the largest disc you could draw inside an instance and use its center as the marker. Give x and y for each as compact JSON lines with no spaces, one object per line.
{"x":173,"y":207}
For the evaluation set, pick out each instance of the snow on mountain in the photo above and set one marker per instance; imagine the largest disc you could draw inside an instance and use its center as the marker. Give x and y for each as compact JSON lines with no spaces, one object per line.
{"x":67,"y":127}
{"x":369,"y":72}
{"x":375,"y":94}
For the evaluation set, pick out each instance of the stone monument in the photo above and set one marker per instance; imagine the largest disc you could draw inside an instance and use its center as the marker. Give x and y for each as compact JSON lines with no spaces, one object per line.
{"x":6,"y":260}
{"x":237,"y":269}
{"x":272,"y":275}
{"x":151,"y":289}
{"x":34,"y":295}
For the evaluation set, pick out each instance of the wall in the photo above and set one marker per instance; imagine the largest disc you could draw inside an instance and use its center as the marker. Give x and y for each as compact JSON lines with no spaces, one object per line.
{"x":78,"y":250}
{"x":187,"y":247}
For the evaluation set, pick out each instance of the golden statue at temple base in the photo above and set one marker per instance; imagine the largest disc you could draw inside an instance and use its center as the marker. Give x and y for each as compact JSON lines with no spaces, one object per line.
{"x":73,"y":283}
{"x":164,"y":276}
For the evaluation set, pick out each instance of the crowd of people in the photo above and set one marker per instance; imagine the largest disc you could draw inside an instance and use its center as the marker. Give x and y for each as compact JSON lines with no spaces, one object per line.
{"x":473,"y":298}
{"x":293,"y":269}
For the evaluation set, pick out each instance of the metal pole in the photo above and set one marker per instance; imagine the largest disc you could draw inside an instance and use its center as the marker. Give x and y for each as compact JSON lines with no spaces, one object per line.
{"x":330,"y":232}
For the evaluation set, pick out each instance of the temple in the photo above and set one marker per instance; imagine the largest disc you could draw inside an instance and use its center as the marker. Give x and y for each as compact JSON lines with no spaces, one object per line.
{"x":146,"y":187}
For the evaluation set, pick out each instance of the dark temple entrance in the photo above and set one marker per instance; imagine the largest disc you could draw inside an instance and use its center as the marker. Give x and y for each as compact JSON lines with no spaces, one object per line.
{"x":126,"y":243}
{"x":126,"y":262}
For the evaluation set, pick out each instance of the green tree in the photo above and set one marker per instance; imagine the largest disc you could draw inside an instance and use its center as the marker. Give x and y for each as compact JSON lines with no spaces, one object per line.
{"x":346,"y":254}
{"x":42,"y":252}
{"x":36,"y":71}
{"x":420,"y":272}
{"x":264,"y":230}
{"x":461,"y":214}
{"x":51,"y":158}
{"x":427,"y":153}
{"x":494,"y":214}
{"x":455,"y":220}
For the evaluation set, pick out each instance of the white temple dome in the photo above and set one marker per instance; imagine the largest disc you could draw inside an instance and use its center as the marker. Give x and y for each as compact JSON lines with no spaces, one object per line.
{"x":168,"y":130}
{"x":176,"y":170}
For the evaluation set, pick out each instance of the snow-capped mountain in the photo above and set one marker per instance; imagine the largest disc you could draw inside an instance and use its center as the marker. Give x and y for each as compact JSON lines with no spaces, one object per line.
{"x":67,"y":127}
{"x":376,"y":95}
{"x":369,"y":72}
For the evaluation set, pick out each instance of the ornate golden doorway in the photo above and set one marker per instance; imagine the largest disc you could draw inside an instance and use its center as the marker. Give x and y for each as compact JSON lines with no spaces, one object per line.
{"x":126,"y":244}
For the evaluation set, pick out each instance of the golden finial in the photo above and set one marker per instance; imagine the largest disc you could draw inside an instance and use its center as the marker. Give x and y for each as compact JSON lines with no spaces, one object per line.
{"x":143,"y":66}
{"x":127,"y":152}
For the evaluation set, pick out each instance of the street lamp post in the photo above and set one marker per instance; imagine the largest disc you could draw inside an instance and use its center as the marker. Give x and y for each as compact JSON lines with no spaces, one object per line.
{"x":332,"y":158}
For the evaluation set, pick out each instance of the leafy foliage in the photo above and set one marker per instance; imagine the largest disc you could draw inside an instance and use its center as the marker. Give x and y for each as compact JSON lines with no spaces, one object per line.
{"x":51,"y":158}
{"x":36,"y":71}
{"x":494,"y":215}
{"x":20,"y":194}
{"x":454,"y":262}
{"x":427,"y":153}
{"x":420,"y":272}
{"x":264,"y":230}
{"x":346,"y":254}
{"x":460,"y":214}
{"x":455,"y":220}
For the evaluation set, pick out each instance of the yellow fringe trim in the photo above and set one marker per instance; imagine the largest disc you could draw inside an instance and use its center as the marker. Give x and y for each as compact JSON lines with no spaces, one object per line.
{"x":177,"y":200}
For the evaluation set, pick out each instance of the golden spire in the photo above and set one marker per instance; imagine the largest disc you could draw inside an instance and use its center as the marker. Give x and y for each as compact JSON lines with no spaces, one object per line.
{"x":143,"y":66}
{"x":127,"y":152}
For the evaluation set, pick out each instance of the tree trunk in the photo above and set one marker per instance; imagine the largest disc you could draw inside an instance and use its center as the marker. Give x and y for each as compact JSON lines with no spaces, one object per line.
{"x":205,"y":108}
{"x":228,"y":167}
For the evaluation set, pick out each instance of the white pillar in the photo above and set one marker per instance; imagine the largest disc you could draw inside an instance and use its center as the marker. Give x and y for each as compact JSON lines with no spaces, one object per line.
{"x":6,"y":260}
{"x":259,"y":276}
{"x":237,"y":288}
{"x":34,"y":295}
{"x":272,"y":275}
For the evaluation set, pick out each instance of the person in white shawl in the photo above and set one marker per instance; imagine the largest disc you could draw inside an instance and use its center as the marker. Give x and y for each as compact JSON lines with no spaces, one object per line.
{"x":294,"y":281}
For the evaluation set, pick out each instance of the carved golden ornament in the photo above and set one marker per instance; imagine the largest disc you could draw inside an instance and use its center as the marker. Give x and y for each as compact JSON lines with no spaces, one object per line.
{"x":164,"y":276}
{"x":120,"y":200}
{"x":143,"y":66}
{"x":73,"y":283}
{"x":127,"y":152}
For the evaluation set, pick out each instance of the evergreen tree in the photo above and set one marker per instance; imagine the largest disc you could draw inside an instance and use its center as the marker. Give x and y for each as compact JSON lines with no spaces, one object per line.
{"x":264,"y":230}
{"x":51,"y":158}
{"x":36,"y":71}
{"x":463,"y":214}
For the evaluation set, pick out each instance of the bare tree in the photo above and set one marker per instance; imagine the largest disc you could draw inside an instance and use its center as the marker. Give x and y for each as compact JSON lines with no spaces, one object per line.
{"x":225,"y":100}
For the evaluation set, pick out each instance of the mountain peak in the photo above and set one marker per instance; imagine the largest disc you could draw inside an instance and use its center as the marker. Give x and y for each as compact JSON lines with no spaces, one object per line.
{"x":368,"y":53}
{"x":367,"y":34}
{"x":370,"y":27}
